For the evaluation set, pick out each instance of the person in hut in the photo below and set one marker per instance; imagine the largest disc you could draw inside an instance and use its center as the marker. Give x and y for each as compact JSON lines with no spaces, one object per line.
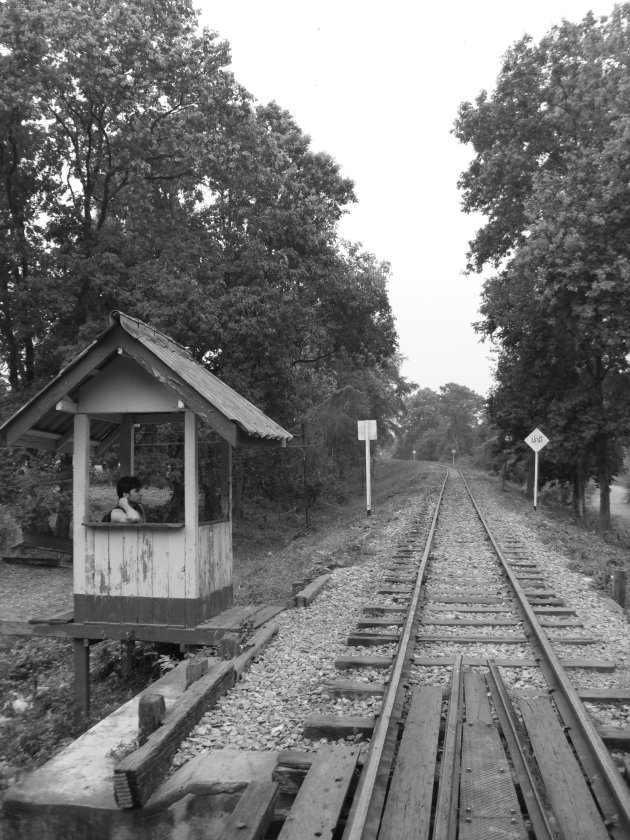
{"x":129,"y":508}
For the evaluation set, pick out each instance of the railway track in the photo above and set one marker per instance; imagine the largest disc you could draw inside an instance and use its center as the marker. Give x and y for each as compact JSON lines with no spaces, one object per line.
{"x":436,"y":695}
{"x":458,"y":751}
{"x":458,"y":671}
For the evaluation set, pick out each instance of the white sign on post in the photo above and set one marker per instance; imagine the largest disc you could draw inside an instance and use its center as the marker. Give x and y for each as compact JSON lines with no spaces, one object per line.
{"x":367,"y":432}
{"x":536,"y":440}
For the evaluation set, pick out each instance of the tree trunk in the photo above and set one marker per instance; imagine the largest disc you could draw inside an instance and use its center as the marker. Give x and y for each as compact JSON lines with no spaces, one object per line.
{"x":603,"y":479}
{"x":578,"y":493}
{"x":604,"y":505}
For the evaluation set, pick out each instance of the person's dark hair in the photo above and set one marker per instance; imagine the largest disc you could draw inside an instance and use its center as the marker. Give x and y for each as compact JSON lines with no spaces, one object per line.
{"x":127,"y":483}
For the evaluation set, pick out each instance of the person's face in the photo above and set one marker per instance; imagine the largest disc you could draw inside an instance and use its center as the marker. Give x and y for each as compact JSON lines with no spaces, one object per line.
{"x":135,"y":495}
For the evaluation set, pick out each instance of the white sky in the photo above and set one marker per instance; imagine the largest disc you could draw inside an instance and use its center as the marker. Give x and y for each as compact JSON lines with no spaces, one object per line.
{"x":377,"y":86}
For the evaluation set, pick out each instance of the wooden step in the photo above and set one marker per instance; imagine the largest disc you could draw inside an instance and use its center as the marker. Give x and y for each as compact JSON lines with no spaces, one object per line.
{"x":318,"y":805}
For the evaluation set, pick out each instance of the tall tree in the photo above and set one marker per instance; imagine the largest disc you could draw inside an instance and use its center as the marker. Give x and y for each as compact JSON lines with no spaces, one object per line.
{"x":550,"y":173}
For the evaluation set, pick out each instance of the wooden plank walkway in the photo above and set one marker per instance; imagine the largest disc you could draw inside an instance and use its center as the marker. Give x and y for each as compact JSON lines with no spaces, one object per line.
{"x":407,"y":814}
{"x":568,"y":793}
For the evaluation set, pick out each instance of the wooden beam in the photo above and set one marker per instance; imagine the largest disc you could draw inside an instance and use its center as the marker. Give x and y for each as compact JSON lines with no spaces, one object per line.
{"x":60,"y":386}
{"x":139,"y":774}
{"x":68,"y":405}
{"x":80,"y":501}
{"x":81,"y":682}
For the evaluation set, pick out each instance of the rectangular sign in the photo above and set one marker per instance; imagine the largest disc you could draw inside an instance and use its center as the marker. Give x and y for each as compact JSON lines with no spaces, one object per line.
{"x":367,"y":429}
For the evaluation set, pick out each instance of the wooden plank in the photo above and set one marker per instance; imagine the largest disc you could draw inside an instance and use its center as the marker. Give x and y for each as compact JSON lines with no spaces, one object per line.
{"x":380,"y":622}
{"x":446,"y":805}
{"x":464,"y":608}
{"x":554,"y":611}
{"x":318,"y":805}
{"x":473,"y":622}
{"x":383,"y":608}
{"x":264,"y":614}
{"x":467,"y":599}
{"x":334,"y":727}
{"x":617,"y":736}
{"x":343,"y":662}
{"x":476,"y":698}
{"x":466,"y":640}
{"x":252,"y":816}
{"x":353,"y":688}
{"x":359,"y":639}
{"x":61,"y":617}
{"x":253,"y":648}
{"x":516,"y":662}
{"x":407,"y":814}
{"x":139,"y":774}
{"x":568,"y":793}
{"x":308,"y":595}
{"x":468,"y":595}
{"x":544,"y":622}
{"x":603,"y":695}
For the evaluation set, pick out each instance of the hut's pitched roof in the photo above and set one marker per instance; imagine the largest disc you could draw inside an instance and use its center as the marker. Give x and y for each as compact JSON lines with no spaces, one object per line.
{"x":43,"y":423}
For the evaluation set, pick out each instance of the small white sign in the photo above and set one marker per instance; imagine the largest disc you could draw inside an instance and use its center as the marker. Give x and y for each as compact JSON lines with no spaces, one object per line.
{"x":537,"y":440}
{"x":367,"y":429}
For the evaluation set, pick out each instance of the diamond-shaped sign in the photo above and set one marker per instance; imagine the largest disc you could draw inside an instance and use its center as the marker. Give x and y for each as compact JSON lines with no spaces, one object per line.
{"x":536,"y":440}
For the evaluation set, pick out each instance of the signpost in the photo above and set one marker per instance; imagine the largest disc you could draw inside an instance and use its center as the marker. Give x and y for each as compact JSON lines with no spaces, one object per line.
{"x":536,"y":440}
{"x":367,"y":432}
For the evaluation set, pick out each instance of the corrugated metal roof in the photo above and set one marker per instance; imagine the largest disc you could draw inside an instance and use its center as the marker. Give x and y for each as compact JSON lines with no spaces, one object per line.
{"x":230,"y":403}
{"x":39,"y":418}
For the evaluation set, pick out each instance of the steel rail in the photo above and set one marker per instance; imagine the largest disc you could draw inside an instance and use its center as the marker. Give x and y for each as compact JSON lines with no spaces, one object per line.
{"x":608,"y":774}
{"x":363,"y":799}
{"x":543,"y":829}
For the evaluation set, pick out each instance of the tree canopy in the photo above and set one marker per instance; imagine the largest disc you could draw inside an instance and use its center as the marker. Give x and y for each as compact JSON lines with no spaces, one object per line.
{"x":139,"y":175}
{"x":550,"y":173}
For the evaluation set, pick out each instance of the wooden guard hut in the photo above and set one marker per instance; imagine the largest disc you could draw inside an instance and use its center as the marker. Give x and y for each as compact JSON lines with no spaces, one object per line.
{"x":137,"y":577}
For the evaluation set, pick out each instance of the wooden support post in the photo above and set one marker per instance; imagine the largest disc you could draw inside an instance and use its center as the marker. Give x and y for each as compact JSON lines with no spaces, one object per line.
{"x":230,"y":646}
{"x":619,"y":578}
{"x":226,"y":479}
{"x":126,"y":453}
{"x":83,"y":561}
{"x":151,"y":714}
{"x":81,"y":682}
{"x":191,"y":504}
{"x":126,"y":659}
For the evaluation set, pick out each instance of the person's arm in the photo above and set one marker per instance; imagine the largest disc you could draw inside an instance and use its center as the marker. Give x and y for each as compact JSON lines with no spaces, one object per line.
{"x":125,"y":512}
